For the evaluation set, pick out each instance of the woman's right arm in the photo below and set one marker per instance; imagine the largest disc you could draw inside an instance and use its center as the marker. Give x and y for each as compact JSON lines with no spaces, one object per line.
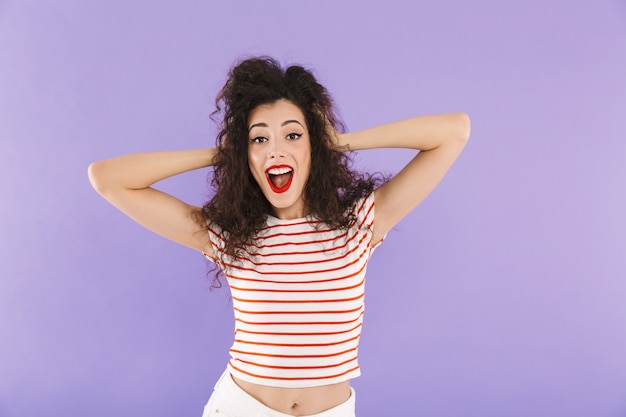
{"x":126,"y":183}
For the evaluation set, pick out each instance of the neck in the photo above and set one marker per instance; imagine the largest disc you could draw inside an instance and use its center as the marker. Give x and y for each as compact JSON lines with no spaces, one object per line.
{"x":296,"y":211}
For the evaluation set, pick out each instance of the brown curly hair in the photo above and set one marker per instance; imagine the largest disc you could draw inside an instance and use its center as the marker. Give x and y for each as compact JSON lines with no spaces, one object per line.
{"x":238,"y":205}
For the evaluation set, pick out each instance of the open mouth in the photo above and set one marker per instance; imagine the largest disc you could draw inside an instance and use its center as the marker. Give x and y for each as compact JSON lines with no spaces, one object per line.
{"x":279,"y":177}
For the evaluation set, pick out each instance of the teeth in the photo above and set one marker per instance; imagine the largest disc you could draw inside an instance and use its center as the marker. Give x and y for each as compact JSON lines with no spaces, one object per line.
{"x":278,"y":171}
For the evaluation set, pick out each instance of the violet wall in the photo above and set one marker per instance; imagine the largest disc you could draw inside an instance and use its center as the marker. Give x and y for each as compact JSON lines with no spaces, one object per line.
{"x":503,"y":294}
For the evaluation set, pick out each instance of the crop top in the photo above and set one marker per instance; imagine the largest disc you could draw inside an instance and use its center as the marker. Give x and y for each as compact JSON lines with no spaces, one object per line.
{"x":298,"y":299}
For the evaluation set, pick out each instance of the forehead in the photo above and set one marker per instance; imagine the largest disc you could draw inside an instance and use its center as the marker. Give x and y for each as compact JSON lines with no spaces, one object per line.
{"x":275,"y":113}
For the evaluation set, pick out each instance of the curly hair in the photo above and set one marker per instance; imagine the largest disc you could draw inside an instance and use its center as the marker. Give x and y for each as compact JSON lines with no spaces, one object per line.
{"x":238,"y":205}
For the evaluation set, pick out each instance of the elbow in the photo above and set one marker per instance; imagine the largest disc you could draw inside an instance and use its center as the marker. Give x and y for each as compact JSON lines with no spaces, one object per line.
{"x":97,"y":176}
{"x":463,"y":125}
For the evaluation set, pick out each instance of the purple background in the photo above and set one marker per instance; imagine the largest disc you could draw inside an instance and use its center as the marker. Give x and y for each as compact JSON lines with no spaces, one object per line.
{"x":503,"y":294}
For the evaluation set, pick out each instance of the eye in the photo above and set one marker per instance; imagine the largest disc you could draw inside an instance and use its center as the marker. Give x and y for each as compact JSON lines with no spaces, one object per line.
{"x":294,"y":136}
{"x":258,"y":139}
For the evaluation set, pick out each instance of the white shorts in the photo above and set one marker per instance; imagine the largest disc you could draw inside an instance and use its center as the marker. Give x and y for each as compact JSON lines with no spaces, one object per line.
{"x":229,"y":400}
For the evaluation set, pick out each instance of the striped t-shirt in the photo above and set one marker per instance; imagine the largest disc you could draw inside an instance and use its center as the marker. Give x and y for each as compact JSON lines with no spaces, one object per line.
{"x":298,"y":298}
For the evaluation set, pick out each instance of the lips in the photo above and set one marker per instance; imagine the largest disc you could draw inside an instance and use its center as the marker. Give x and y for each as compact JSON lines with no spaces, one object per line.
{"x":279,"y":177}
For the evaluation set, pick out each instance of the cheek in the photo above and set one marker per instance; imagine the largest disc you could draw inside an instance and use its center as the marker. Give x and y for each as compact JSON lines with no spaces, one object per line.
{"x":252,"y":161}
{"x":307,"y":160}
{"x":255,"y":168}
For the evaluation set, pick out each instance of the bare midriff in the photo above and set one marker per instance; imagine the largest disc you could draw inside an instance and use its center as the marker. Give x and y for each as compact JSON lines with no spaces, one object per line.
{"x":298,"y":401}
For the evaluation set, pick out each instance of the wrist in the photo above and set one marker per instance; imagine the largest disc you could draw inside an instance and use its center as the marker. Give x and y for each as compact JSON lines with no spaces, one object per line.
{"x":342,"y":142}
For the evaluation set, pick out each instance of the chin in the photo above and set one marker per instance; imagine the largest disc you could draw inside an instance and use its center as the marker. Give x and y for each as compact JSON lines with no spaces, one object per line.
{"x":280,"y":204}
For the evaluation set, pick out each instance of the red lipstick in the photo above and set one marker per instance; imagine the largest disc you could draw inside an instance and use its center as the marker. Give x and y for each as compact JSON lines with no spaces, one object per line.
{"x":280,"y":179}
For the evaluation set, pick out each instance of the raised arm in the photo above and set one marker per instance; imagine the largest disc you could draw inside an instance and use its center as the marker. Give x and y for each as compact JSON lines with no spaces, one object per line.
{"x":126,"y":183}
{"x":439,"y":138}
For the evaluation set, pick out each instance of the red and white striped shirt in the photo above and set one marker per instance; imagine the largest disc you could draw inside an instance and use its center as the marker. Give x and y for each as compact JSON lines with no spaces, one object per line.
{"x":298,"y":296}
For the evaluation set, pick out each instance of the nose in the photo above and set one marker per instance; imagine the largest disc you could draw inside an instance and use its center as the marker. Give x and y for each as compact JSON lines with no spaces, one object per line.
{"x":275,"y":151}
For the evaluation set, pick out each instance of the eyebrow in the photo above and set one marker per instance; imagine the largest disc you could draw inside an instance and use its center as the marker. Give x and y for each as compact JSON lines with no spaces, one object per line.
{"x":286,"y":122}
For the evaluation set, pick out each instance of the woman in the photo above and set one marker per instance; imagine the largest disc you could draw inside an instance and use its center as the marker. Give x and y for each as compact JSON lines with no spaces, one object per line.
{"x":291,"y":226}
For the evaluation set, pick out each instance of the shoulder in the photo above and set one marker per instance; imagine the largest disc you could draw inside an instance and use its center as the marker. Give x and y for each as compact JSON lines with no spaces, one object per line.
{"x":363,"y":210}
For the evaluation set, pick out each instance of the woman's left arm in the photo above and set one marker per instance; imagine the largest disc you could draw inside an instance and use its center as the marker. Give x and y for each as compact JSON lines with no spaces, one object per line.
{"x":439,"y":140}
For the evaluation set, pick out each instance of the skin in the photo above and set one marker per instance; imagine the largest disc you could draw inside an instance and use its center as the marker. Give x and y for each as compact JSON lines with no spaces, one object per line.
{"x":278,"y":135}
